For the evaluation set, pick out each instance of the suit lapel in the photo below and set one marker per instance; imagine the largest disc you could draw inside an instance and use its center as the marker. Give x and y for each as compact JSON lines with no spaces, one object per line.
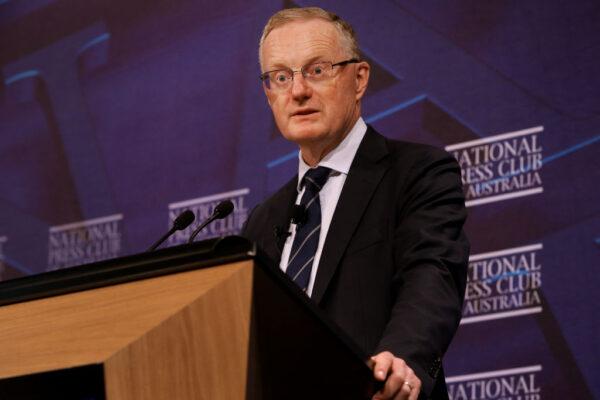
{"x":279,"y":211}
{"x":365,"y":174}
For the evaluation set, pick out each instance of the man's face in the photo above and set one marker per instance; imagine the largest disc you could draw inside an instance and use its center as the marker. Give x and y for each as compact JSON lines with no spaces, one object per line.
{"x":309,"y":113}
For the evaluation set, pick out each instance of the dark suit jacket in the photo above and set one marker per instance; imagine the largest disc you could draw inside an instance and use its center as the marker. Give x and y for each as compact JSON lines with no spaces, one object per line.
{"x":393,"y":269}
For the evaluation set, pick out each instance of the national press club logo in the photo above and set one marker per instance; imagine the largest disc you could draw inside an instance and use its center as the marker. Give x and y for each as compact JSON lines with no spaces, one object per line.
{"x":500,"y":167}
{"x":507,"y":384}
{"x":502,"y":284}
{"x":84,"y":242}
{"x":203,"y":208}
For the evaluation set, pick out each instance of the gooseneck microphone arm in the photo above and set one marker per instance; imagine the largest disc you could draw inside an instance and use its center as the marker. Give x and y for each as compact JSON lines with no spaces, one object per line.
{"x":182,"y":221}
{"x":222,"y":210}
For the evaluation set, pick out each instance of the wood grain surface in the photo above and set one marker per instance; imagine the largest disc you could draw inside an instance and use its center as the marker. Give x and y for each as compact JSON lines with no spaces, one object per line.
{"x":173,"y":337}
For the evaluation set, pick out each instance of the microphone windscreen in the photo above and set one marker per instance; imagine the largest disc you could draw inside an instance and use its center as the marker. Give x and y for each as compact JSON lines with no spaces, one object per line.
{"x":184,"y":220}
{"x":223,"y":209}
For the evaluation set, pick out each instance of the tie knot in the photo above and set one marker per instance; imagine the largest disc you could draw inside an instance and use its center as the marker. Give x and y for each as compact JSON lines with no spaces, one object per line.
{"x":316,"y":177}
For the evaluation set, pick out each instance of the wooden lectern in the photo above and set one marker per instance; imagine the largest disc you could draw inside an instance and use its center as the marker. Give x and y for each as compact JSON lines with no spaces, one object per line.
{"x":211,"y":320}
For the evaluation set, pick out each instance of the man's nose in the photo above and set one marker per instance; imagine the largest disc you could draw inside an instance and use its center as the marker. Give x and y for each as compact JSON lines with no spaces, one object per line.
{"x":300,"y":87}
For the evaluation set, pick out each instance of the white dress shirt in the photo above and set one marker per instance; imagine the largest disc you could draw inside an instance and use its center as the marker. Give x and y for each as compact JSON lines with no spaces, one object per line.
{"x":339,"y":161}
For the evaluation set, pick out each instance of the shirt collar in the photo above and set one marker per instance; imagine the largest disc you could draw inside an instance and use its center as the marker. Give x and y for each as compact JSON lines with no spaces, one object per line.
{"x":339,"y":159}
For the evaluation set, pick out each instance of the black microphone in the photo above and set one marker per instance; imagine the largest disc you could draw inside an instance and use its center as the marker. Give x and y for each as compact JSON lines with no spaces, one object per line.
{"x":222,"y":210}
{"x":280,"y":233}
{"x":182,"y":221}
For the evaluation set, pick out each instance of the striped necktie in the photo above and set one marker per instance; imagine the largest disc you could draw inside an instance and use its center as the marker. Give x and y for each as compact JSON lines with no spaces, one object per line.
{"x":306,"y":240}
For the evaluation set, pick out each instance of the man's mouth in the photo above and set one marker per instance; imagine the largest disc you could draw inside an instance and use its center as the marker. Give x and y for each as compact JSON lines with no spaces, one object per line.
{"x":303,"y":112}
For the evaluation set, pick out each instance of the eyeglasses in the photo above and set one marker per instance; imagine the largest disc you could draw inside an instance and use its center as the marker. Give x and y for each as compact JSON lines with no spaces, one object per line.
{"x":281,"y":79}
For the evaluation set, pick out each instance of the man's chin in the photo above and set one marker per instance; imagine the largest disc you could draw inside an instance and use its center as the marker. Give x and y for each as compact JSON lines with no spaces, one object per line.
{"x":304,"y":136}
{"x":305,"y":132}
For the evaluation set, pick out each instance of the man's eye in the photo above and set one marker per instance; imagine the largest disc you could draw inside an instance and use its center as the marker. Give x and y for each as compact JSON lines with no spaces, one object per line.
{"x":318,"y":70}
{"x":281,"y":77}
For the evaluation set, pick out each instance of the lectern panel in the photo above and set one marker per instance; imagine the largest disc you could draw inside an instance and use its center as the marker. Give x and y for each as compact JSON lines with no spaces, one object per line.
{"x":199,"y":353}
{"x":89,"y":327}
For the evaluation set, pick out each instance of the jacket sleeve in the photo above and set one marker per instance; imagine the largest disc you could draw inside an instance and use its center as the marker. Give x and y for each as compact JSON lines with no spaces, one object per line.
{"x":430,"y":266}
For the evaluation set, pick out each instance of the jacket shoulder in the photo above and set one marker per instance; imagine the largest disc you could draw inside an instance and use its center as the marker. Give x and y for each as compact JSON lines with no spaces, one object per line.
{"x":409,"y":151}
{"x":416,"y":151}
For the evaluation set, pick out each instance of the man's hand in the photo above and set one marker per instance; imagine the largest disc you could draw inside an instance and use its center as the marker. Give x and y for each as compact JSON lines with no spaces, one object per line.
{"x":401,"y":383}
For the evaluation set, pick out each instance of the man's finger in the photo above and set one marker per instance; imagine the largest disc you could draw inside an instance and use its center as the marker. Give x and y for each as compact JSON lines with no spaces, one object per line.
{"x":393,"y":386}
{"x":401,"y":382}
{"x":382,"y":363}
{"x":415,"y":384}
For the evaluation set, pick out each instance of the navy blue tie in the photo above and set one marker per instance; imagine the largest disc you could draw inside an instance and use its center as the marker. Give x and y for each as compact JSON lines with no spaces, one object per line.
{"x":306,"y":240}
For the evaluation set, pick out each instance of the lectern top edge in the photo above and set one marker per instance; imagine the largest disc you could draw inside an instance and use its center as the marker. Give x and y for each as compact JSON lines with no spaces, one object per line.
{"x":185,"y":257}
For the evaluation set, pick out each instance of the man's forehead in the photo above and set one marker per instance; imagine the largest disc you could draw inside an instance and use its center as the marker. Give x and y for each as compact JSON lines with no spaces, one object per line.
{"x":300,"y":42}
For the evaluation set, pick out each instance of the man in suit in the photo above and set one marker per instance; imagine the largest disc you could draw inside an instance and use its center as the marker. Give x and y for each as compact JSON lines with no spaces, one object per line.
{"x":375,"y":238}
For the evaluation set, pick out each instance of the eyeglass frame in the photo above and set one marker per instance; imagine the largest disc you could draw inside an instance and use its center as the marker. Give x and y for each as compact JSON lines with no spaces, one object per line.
{"x":265,"y":75}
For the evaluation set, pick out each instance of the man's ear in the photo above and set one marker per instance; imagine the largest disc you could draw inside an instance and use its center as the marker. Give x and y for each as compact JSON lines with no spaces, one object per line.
{"x":363,"y":70}
{"x":268,"y":97}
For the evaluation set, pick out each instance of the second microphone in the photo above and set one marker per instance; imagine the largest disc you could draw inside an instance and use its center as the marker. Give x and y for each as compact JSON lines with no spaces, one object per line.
{"x":222,"y":210}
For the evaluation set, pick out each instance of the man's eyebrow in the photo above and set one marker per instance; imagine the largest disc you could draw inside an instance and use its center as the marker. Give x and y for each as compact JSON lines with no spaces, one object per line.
{"x":280,"y":65}
{"x":277,"y":66}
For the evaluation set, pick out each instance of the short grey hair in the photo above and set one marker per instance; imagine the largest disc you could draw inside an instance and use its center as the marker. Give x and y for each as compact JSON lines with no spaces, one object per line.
{"x":282,"y":17}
